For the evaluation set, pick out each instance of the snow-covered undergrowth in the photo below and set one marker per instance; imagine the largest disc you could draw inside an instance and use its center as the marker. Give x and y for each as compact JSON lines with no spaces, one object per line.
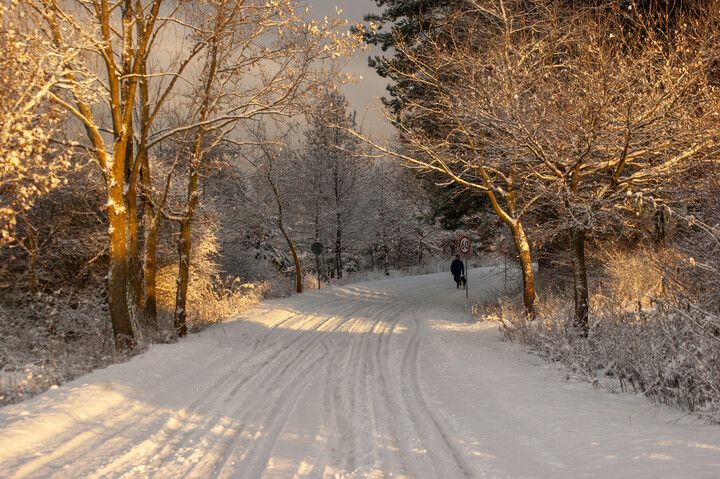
{"x":640,"y":339}
{"x":672,"y":357}
{"x":49,"y":340}
{"x":54,"y":339}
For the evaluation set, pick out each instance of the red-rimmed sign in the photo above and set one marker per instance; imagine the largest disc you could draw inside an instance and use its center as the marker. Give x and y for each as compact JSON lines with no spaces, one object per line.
{"x":504,"y":247}
{"x":464,"y":245}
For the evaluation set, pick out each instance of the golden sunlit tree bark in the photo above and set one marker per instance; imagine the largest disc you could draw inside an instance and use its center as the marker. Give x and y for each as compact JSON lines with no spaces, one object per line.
{"x":106,"y":34}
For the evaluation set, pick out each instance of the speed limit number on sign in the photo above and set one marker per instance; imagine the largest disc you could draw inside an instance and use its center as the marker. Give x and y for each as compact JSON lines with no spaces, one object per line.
{"x":464,"y":245}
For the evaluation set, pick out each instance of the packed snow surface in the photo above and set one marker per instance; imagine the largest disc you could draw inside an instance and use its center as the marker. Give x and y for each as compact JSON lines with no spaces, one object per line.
{"x":382,"y":379}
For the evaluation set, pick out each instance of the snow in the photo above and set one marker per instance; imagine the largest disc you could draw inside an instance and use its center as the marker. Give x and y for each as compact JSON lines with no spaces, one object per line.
{"x":382,"y":379}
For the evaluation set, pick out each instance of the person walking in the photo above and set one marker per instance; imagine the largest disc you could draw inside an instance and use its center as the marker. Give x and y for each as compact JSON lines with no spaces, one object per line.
{"x":457,"y":268}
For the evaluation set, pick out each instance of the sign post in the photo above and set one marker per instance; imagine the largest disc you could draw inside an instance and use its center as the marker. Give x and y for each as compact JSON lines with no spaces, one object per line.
{"x":465,"y":249}
{"x":317,"y":248}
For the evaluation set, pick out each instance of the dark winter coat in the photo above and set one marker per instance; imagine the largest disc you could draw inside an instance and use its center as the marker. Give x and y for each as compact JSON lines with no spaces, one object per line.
{"x":457,"y":267}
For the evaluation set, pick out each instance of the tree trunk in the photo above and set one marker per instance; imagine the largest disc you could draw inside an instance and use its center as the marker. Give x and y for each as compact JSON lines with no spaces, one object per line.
{"x":184,"y":248}
{"x":134,"y":282}
{"x":386,"y":259}
{"x":580,"y":283}
{"x":185,"y":242}
{"x":298,"y":273}
{"x":528,"y":276}
{"x":117,"y":279}
{"x":338,"y":249}
{"x":183,"y":279}
{"x":124,"y":128}
{"x":513,"y":221}
{"x":659,"y":232}
{"x":150,"y":271}
{"x":149,"y":222}
{"x":149,"y":257}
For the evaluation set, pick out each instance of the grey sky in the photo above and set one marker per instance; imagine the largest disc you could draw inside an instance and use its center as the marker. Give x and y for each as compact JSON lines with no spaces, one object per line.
{"x":362,"y":95}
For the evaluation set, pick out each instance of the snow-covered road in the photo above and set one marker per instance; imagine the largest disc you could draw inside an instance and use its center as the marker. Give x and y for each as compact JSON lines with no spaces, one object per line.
{"x":382,"y":379}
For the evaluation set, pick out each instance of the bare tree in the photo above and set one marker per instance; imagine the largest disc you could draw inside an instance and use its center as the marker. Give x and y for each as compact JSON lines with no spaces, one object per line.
{"x":271,"y":158}
{"x":335,"y":163}
{"x":273,"y":45}
{"x":595,"y":105}
{"x":105,"y":33}
{"x":395,"y":215}
{"x":247,"y":73}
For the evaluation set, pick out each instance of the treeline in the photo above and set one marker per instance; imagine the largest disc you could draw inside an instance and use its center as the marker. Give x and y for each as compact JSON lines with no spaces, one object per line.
{"x":152,"y":90}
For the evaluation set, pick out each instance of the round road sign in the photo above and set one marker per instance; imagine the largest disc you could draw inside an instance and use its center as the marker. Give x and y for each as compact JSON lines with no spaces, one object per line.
{"x":504,"y":247}
{"x":316,"y":248}
{"x":464,"y":245}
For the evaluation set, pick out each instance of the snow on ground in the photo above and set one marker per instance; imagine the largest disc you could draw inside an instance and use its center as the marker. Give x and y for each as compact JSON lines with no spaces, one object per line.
{"x":383,"y":379}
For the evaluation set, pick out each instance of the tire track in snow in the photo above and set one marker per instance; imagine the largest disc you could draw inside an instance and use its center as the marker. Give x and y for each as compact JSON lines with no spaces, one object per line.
{"x":357,"y":345}
{"x":343,"y":323}
{"x":387,"y":405}
{"x":431,"y":429}
{"x":412,"y":437}
{"x":278,"y":362}
{"x":106,"y":435}
{"x":172,"y":427}
{"x":188,"y":425}
{"x":369,"y":394}
{"x":347,"y":399}
{"x":264,"y":388}
{"x":103,"y":437}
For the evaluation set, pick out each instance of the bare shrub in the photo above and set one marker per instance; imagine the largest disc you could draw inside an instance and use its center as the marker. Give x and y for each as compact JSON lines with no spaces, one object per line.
{"x":631,"y":278}
{"x":216,"y":300}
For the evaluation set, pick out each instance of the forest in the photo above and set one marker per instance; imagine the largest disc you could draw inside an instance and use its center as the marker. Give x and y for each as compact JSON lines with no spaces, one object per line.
{"x":165,"y":165}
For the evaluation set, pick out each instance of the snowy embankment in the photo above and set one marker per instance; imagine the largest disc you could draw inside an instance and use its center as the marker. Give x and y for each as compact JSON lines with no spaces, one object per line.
{"x":383,"y":379}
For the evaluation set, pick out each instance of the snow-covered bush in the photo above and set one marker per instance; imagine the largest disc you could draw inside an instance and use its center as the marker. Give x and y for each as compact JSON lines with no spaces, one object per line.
{"x":662,"y":346}
{"x":213,"y":295}
{"x":215,"y":300}
{"x":31,"y":165}
{"x":631,"y":279}
{"x":51,"y":339}
{"x":672,"y":356}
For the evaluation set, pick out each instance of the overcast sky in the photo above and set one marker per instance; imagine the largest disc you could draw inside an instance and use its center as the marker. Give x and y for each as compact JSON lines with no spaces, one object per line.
{"x":363,"y":95}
